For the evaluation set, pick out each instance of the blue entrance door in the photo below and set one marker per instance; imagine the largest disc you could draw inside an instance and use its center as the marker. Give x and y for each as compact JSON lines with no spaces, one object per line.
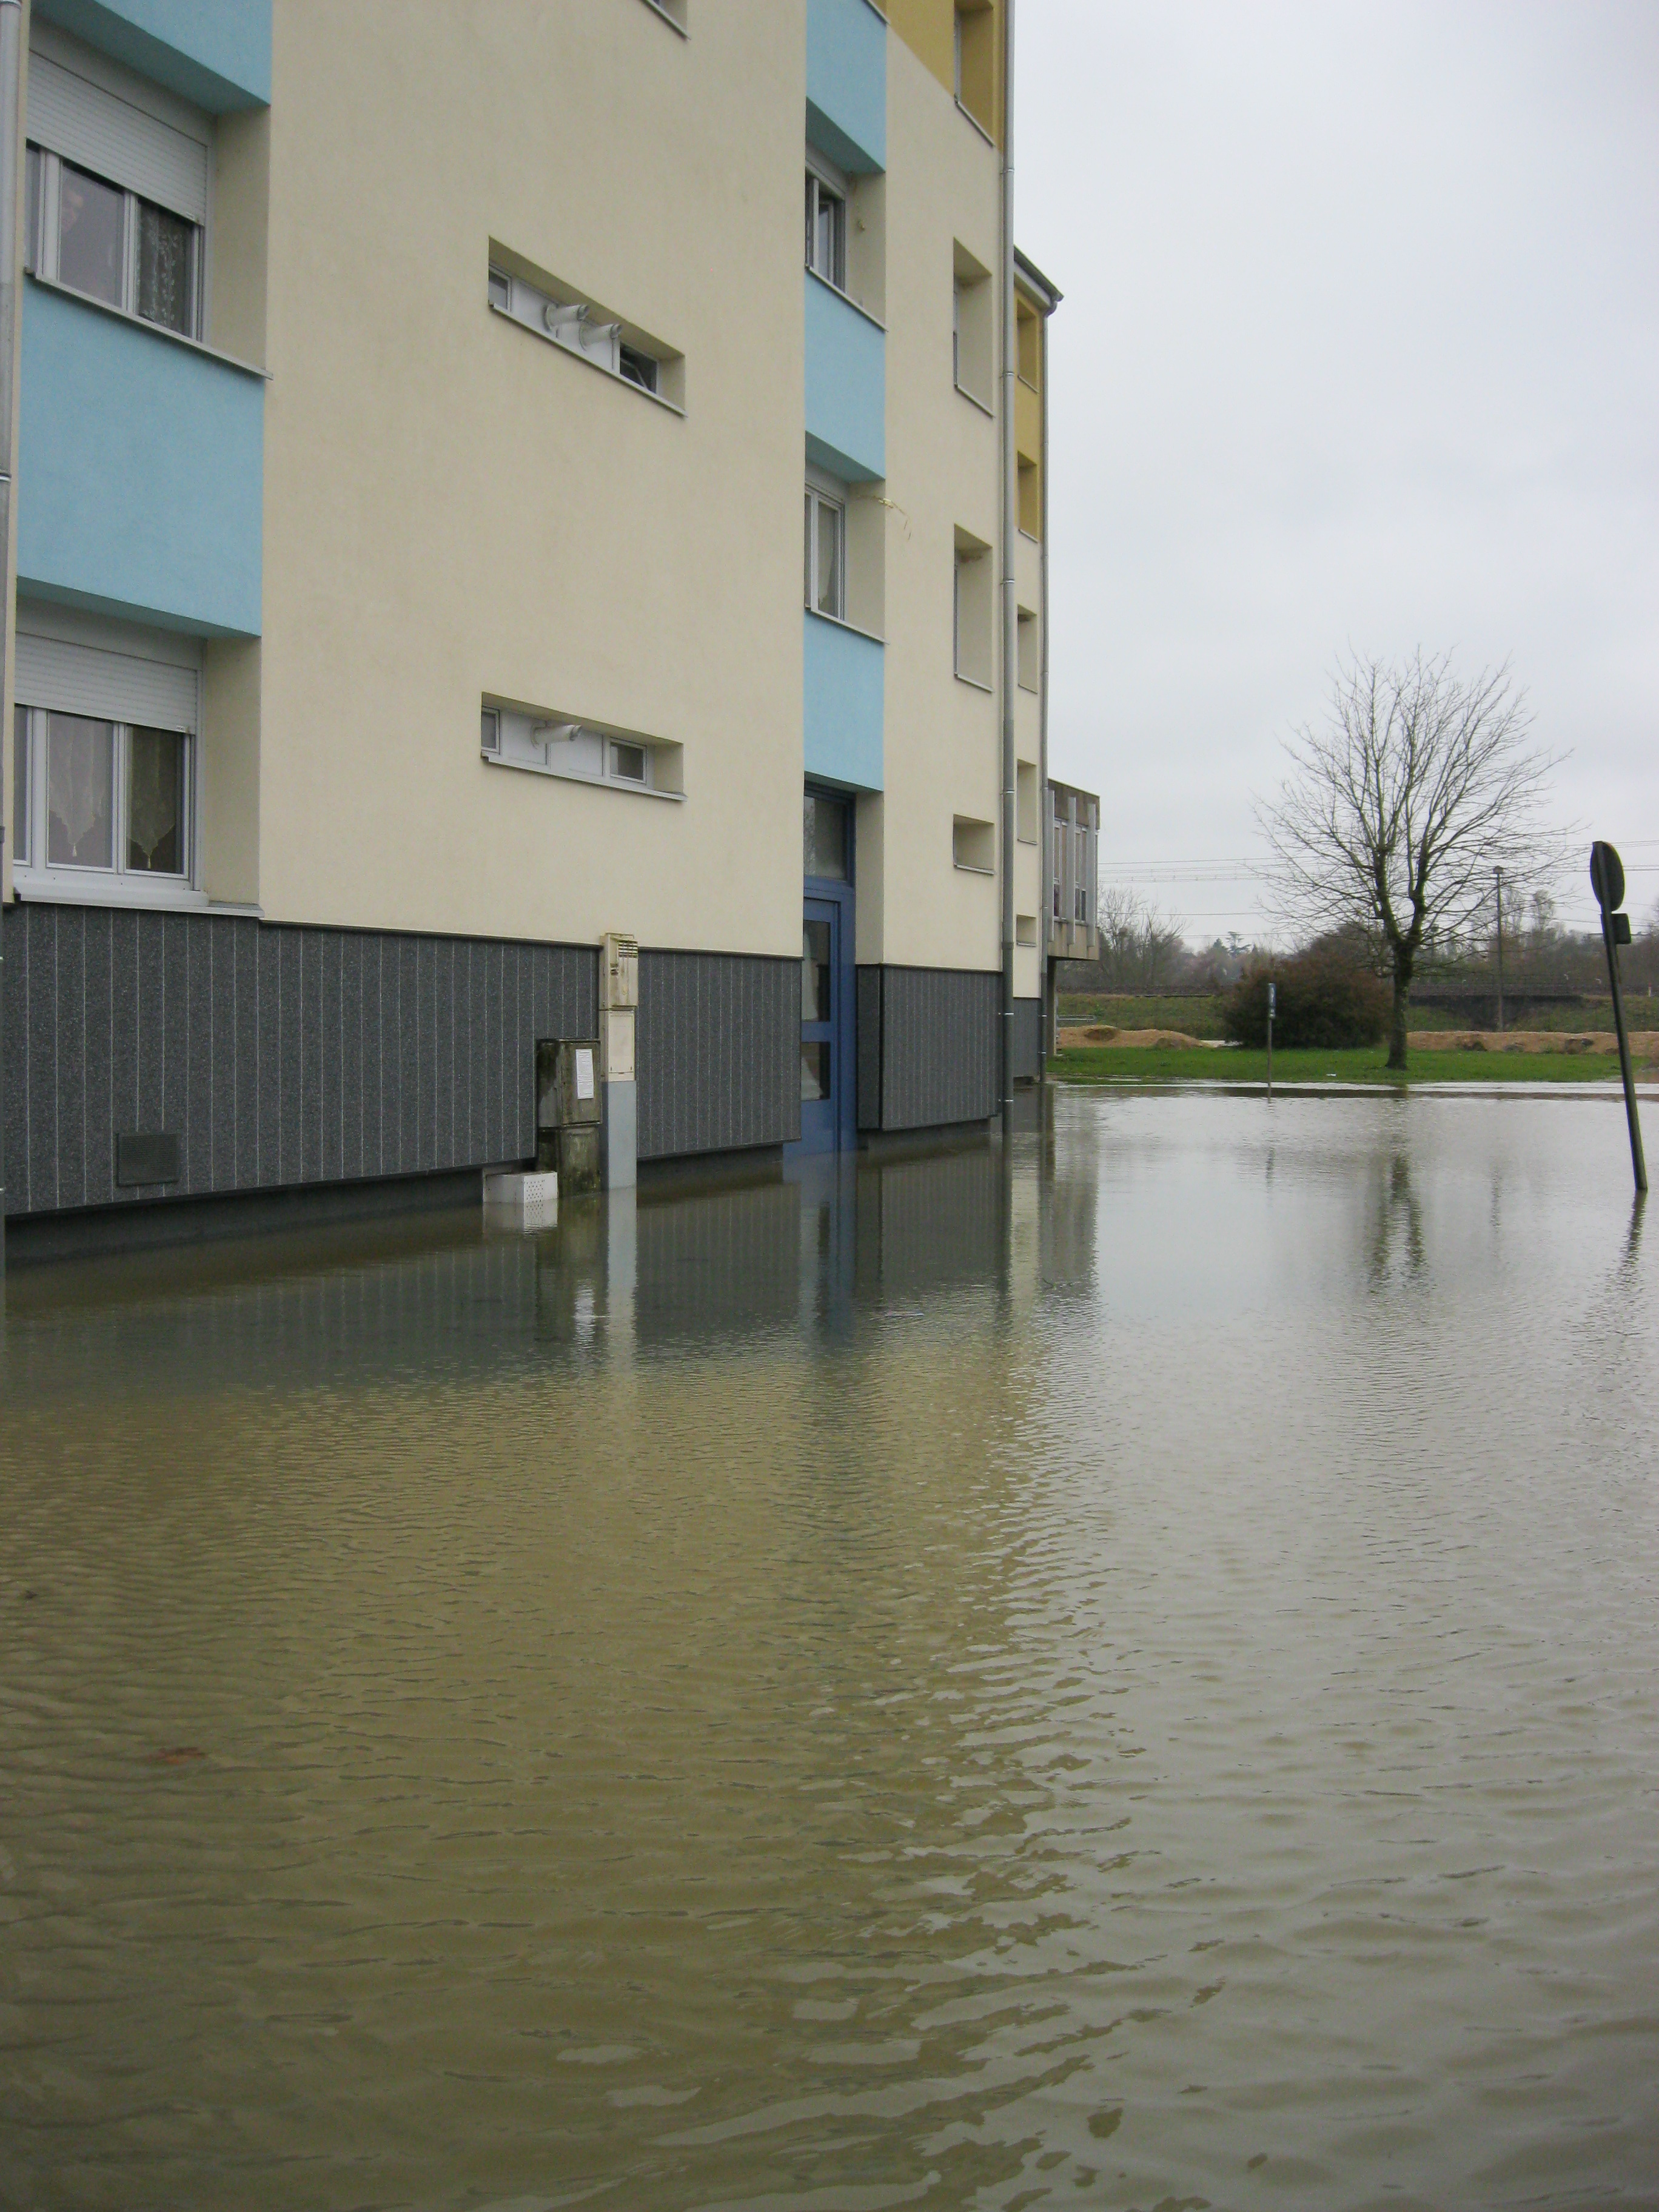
{"x":826,"y":1025}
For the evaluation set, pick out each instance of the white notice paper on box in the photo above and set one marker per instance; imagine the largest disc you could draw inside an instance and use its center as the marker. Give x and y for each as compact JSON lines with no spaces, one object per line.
{"x":584,"y":1073}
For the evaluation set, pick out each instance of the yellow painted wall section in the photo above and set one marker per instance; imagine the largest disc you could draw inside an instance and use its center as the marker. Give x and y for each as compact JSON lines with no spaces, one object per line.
{"x":928,"y":27}
{"x":1029,"y":399}
{"x":454,"y":507}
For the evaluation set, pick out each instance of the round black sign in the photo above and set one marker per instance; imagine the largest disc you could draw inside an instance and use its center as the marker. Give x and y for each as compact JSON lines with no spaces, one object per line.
{"x":1607,"y":876}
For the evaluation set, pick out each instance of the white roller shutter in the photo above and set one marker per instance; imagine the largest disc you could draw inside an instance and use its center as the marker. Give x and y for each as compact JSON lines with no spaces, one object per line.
{"x":111,"y":687}
{"x":93,"y":128}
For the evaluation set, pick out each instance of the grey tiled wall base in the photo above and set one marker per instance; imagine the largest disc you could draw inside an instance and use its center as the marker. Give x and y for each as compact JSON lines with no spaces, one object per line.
{"x":929,"y":1048}
{"x":718,"y":1053}
{"x":1028,"y":1040}
{"x":281,"y":1056}
{"x":278,"y":1056}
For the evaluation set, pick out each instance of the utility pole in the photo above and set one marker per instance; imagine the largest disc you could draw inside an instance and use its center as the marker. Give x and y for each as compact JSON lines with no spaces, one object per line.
{"x":1497,"y":877}
{"x":11,"y":26}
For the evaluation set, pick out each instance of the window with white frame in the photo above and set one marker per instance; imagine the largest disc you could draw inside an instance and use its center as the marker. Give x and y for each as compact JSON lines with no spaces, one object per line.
{"x":826,"y":221}
{"x":116,"y":187}
{"x":104,"y":771}
{"x":826,"y":554}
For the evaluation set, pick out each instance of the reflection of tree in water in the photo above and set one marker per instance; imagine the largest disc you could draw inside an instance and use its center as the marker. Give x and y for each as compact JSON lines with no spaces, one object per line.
{"x":1396,"y":1223}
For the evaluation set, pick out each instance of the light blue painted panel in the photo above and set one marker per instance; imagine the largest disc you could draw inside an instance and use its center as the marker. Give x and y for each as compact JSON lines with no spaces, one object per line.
{"x":845,"y":385}
{"x":846,"y":82}
{"x":140,"y":471}
{"x":845,"y":701}
{"x":216,"y":53}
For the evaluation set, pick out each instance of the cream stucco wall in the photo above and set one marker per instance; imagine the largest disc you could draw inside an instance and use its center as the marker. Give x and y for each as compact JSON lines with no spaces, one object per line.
{"x":454,"y":507}
{"x":942,"y":751}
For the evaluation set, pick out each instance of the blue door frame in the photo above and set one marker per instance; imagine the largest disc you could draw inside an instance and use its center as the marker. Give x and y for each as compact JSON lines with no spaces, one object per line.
{"x":828,"y":1034}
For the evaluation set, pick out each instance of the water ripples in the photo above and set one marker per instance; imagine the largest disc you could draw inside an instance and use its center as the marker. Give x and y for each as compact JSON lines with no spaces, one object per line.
{"x":1117,"y":1672}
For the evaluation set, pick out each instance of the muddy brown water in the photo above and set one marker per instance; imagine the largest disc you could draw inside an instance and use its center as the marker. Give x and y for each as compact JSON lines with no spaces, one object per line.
{"x":1118,"y":1671}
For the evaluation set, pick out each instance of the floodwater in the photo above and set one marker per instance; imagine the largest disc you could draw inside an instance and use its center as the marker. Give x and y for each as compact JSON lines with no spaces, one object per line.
{"x":1118,"y":1671}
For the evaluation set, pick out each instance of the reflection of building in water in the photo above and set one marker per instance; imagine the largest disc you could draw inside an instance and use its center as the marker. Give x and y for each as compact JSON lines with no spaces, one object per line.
{"x":1068,"y":1190}
{"x":659,"y":1269}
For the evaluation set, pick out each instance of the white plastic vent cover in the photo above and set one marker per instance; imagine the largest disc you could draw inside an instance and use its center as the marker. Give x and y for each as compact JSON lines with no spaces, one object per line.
{"x":98,"y":132}
{"x":111,"y":687}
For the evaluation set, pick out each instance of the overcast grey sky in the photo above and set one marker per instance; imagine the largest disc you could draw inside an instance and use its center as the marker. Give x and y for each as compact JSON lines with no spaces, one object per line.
{"x":1359,"y":345}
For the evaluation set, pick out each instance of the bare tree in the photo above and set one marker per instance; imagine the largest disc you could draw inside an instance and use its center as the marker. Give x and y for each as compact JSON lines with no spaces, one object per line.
{"x":1140,"y":948}
{"x":1395,"y":813}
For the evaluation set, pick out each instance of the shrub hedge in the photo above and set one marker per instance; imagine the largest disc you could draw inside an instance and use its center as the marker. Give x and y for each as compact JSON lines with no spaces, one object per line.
{"x":1324,"y":999}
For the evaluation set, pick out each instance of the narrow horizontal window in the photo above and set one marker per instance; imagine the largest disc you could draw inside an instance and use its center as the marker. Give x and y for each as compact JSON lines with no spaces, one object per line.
{"x":553,"y":744}
{"x":581,"y":327}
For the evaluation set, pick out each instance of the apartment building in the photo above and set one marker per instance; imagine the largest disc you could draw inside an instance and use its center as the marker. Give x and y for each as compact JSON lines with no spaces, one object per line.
{"x":465,"y":514}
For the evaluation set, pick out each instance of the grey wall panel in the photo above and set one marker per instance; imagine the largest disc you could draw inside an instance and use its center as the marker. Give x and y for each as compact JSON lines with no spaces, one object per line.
{"x":869,"y":1044}
{"x":1028,"y":1039}
{"x":718,"y":1044}
{"x":276,"y":1055}
{"x":939,"y":1051}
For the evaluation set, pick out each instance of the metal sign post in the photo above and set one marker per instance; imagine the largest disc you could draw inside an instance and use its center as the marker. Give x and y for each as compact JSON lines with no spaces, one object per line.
{"x":1608,"y":881}
{"x":1273,"y":1004}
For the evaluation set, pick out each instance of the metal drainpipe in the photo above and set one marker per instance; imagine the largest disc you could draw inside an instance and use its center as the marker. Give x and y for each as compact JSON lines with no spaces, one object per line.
{"x":1045,"y":972}
{"x":11,"y":26}
{"x":1009,"y":540}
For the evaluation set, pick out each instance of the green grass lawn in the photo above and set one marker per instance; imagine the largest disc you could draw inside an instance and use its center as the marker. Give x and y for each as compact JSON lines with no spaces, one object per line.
{"x":1106,"y":1063}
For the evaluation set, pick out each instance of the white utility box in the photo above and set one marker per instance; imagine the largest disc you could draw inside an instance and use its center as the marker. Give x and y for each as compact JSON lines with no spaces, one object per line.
{"x":619,"y":970}
{"x":617,"y":1044}
{"x":522,"y":1201}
